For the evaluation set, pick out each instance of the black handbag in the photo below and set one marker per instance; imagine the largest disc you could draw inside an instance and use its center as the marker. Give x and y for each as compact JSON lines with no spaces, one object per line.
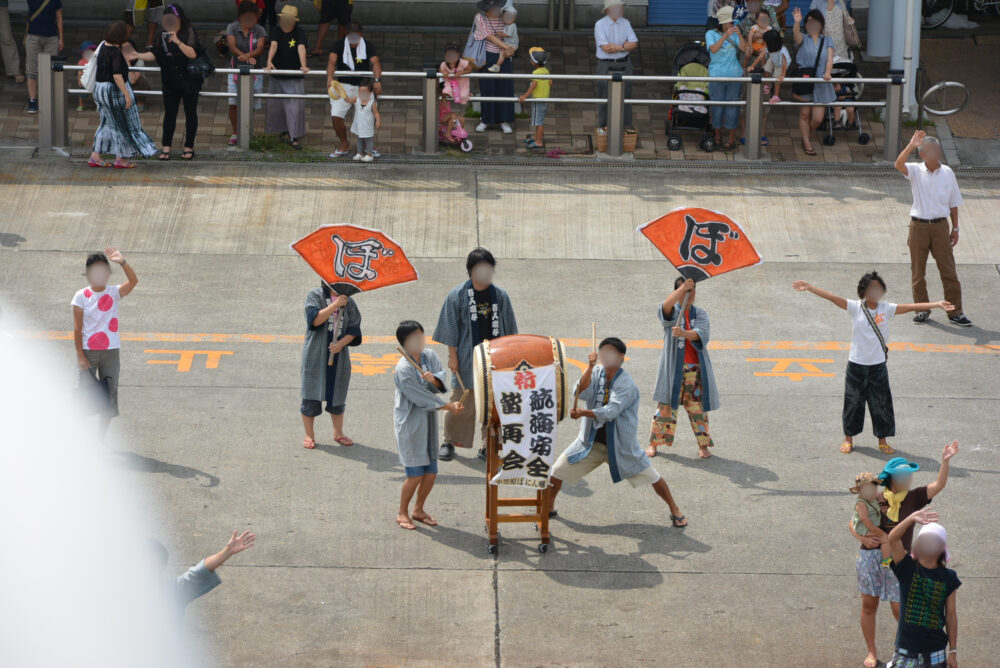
{"x":810,"y":72}
{"x":200,"y":67}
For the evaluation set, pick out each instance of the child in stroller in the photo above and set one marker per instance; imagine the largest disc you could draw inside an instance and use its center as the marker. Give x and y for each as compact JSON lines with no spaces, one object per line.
{"x":451,"y":128}
{"x":691,"y":61}
{"x":843,"y":116}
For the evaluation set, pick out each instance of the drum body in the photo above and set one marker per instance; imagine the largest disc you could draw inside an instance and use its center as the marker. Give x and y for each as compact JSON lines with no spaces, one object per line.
{"x":514,"y":352}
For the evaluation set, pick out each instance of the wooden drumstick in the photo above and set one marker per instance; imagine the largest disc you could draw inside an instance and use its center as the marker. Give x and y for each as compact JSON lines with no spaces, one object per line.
{"x":593,"y":342}
{"x":409,"y":359}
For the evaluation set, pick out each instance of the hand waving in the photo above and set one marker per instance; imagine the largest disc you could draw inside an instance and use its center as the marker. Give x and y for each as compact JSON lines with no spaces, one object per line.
{"x":925,"y":516}
{"x":239,"y":543}
{"x":950,"y":451}
{"x":114,"y":255}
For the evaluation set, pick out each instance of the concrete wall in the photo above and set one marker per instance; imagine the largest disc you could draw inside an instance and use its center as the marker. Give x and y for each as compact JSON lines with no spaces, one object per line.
{"x":532,"y":13}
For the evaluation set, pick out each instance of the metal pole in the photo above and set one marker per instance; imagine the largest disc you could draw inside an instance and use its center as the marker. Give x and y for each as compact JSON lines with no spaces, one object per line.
{"x":908,"y":52}
{"x":60,"y":103}
{"x":572,"y":15}
{"x":244,"y":107}
{"x":755,"y":117}
{"x":893,"y":115}
{"x":562,"y":11}
{"x":552,"y":14}
{"x":430,"y":103}
{"x":45,"y":110}
{"x":616,"y":115}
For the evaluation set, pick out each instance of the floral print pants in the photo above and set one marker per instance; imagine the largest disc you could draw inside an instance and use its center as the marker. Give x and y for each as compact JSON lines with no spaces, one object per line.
{"x":665,"y":421}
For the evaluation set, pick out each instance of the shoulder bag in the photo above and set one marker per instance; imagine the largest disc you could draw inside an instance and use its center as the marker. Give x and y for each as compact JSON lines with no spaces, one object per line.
{"x":475,"y":49}
{"x":878,"y":332}
{"x":851,"y":36}
{"x":798,"y":71}
{"x":88,"y":78}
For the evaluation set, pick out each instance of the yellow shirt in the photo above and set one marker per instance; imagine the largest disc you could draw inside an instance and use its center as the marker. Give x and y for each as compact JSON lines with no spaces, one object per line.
{"x":542,"y":86}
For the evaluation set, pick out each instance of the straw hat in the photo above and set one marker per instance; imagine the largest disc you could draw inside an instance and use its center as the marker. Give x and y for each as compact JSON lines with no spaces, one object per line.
{"x":725,"y":15}
{"x":289,"y":11}
{"x":608,"y":4}
{"x":861,"y":480}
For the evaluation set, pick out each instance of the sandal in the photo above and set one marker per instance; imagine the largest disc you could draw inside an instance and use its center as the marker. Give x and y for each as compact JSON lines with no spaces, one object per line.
{"x":164,"y":155}
{"x":308,"y":443}
{"x":123,"y":165}
{"x":886,"y":449}
{"x":296,"y":145}
{"x":808,"y":151}
{"x":94,"y":163}
{"x":426,"y":519}
{"x":344,"y":441}
{"x":19,"y":78}
{"x":728,"y":146}
{"x":846,"y":447}
{"x":187,"y":154}
{"x":409,"y":526}
{"x":676,"y":521}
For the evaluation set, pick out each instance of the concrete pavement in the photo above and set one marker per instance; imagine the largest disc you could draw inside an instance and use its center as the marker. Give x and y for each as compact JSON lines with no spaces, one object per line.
{"x":765,"y":573}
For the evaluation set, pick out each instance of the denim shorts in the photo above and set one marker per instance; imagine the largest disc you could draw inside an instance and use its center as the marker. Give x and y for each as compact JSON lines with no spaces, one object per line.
{"x":538,"y":110}
{"x":312,"y":408}
{"x":417,"y":471}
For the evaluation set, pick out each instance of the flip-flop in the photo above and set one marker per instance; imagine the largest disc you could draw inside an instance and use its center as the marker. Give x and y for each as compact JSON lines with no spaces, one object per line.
{"x":308,"y":443}
{"x":118,"y":165}
{"x":886,"y":449}
{"x":846,"y":447}
{"x":429,"y":521}
{"x":343,"y":440}
{"x":409,"y":526}
{"x":187,"y":155}
{"x":164,"y":155}
{"x":93,"y":163}
{"x":676,"y":521}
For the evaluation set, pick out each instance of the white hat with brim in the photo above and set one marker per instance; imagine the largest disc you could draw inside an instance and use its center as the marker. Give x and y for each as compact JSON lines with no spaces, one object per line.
{"x":608,"y":4}
{"x":724,"y":15}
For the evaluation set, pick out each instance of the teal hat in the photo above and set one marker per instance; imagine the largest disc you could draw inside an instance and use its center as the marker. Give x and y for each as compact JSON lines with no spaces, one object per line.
{"x":897,"y":466}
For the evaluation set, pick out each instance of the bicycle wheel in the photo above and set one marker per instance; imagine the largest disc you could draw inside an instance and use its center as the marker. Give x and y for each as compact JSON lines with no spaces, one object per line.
{"x":936,"y":12}
{"x":946,"y":98}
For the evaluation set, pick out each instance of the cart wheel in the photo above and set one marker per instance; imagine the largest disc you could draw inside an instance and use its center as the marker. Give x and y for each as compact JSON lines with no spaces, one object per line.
{"x":863,"y":138}
{"x":829,"y":140}
{"x":491,"y":548}
{"x":707,"y":144}
{"x":674,"y":143}
{"x":543,"y":547}
{"x":466,"y":146}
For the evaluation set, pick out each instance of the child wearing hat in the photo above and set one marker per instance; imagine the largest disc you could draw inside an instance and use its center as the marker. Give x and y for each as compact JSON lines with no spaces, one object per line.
{"x":867,"y":514}
{"x":539,"y":88}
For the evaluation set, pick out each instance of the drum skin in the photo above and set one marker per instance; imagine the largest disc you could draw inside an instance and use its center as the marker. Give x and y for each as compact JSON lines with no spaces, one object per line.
{"x":510,"y":352}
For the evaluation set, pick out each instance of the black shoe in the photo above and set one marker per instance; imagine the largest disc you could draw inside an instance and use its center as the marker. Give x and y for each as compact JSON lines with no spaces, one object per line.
{"x":482,"y":451}
{"x":922,"y":317}
{"x":447,"y":452}
{"x":960,"y":320}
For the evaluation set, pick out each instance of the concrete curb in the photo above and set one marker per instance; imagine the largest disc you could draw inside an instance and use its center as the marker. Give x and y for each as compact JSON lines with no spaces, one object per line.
{"x":947,"y":143}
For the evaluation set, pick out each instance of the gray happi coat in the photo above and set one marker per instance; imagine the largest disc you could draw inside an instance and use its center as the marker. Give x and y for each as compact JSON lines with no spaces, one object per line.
{"x":415,"y":413}
{"x":670,"y":374}
{"x":454,"y":327}
{"x":626,"y":457}
{"x":316,"y":352}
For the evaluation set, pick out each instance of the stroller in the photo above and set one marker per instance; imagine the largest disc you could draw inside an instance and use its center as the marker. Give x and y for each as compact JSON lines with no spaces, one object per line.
{"x":691,"y":60}
{"x":451,"y":128}
{"x":849,"y":92}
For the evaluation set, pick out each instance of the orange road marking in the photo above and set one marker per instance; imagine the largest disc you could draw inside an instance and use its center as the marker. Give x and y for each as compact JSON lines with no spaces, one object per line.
{"x":186,"y":358}
{"x":781,"y":365}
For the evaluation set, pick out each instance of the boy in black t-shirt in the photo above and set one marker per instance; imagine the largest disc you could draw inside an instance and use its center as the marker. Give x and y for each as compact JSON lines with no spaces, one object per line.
{"x":928,"y":615}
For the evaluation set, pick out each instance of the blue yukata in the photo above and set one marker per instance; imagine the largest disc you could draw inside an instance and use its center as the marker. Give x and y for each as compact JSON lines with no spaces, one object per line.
{"x":610,"y":436}
{"x":469,"y":317}
{"x":414,"y":415}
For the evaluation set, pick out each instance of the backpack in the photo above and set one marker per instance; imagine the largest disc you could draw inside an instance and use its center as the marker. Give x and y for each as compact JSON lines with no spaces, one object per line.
{"x":88,"y":78}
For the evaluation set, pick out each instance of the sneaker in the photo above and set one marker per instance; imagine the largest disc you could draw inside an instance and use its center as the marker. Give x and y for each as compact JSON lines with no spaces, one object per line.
{"x":447,"y":452}
{"x":376,"y":154}
{"x":232,"y":140}
{"x":357,"y":157}
{"x":339,"y":154}
{"x":493,"y":68}
{"x":960,"y":320}
{"x":922,"y":317}
{"x":367,"y":158}
{"x":506,"y":128}
{"x":32,"y":106}
{"x":481,"y":454}
{"x":80,"y":107}
{"x":481,"y":127}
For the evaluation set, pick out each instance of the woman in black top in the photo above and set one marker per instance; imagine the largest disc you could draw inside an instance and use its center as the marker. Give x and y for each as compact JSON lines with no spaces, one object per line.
{"x":173,"y":48}
{"x":287,"y":116}
{"x":120,"y":131}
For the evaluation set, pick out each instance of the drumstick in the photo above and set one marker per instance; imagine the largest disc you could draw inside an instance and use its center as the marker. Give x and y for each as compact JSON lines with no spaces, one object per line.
{"x":409,"y":359}
{"x":593,"y":340}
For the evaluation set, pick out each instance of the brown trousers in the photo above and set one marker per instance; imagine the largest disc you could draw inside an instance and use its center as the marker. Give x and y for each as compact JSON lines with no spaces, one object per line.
{"x":936,"y":238}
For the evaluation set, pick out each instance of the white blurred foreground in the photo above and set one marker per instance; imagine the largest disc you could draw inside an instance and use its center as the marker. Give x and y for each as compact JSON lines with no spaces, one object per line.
{"x":79,"y":585}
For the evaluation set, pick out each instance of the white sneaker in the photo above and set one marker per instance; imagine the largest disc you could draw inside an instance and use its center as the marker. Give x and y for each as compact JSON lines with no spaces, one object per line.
{"x":506,"y":128}
{"x":494,"y":68}
{"x":481,"y":127}
{"x":367,"y":158}
{"x":357,"y":157}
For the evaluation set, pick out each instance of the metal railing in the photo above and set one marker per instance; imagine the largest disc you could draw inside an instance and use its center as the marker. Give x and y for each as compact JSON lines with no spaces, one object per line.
{"x":53,"y":125}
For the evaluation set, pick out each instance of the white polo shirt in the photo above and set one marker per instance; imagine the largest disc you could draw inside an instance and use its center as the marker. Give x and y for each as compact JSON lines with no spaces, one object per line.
{"x":607,"y":31}
{"x":934,"y":193}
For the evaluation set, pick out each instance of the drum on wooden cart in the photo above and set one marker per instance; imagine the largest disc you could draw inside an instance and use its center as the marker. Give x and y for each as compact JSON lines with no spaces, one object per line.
{"x":510,"y":353}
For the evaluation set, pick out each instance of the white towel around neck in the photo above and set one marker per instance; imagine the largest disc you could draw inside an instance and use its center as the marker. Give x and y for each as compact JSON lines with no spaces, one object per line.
{"x":362,"y":53}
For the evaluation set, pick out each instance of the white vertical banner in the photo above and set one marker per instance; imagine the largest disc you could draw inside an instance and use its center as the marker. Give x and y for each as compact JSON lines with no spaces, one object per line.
{"x":526,"y":403}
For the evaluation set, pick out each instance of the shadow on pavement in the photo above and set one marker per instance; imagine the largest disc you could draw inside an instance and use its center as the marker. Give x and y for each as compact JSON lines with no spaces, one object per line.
{"x":928,"y":464}
{"x":982,"y":337}
{"x":132,"y":461}
{"x":747,"y":476}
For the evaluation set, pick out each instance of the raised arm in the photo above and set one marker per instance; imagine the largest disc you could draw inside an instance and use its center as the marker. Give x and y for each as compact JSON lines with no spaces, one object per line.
{"x":935,"y":487}
{"x":802,"y":286}
{"x":797,"y":26}
{"x":915,"y":141}
{"x":676,"y":296}
{"x":896,"y":549}
{"x":236,"y":544}
{"x":131,"y":279}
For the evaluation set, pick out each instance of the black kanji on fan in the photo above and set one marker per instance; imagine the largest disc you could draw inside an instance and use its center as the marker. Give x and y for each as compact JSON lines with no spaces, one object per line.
{"x":541,"y":399}
{"x":537,"y":468}
{"x":510,"y":403}
{"x":542,"y":423}
{"x":513,"y":433}
{"x":541,"y":445}
{"x":514,"y":460}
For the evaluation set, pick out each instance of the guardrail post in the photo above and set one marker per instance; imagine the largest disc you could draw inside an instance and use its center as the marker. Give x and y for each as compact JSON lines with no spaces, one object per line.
{"x":893,"y":115}
{"x":755,"y":117}
{"x":244,"y":107}
{"x":562,"y":14}
{"x":45,"y":109}
{"x":429,"y":140}
{"x":571,"y":20}
{"x":60,"y":103}
{"x":616,"y":115}
{"x":552,"y":14}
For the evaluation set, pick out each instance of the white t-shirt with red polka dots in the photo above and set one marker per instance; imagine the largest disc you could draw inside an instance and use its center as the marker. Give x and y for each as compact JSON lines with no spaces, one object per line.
{"x":100,"y":317}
